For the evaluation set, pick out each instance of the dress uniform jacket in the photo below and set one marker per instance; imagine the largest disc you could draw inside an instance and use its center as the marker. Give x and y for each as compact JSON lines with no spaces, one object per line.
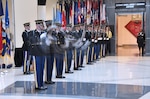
{"x":26,"y":42}
{"x":36,"y":47}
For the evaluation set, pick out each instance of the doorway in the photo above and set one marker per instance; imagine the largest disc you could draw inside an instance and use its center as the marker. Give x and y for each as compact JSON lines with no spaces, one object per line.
{"x":128,"y":25}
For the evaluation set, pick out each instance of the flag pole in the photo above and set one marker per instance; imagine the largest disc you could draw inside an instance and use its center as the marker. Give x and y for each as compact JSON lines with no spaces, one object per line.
{"x":7,"y":31}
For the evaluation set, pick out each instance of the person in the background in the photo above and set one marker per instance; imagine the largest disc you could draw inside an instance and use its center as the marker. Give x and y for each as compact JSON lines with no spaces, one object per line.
{"x":109,"y":36}
{"x":25,"y":47}
{"x":141,"y":42}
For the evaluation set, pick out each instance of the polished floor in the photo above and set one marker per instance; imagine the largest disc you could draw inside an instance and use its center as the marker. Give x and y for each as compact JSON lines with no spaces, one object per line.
{"x":112,"y":77}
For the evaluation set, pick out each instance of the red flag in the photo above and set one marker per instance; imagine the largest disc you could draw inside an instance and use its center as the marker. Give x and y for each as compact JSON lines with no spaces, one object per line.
{"x":95,"y":7}
{"x":63,"y":17}
{"x":1,"y":44}
{"x":79,"y":12}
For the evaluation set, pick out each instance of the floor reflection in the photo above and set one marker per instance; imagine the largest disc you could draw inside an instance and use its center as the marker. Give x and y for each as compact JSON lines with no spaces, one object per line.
{"x":77,"y":89}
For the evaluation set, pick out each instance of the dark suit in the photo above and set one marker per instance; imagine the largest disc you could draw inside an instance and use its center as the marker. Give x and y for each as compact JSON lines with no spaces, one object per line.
{"x":26,"y":53}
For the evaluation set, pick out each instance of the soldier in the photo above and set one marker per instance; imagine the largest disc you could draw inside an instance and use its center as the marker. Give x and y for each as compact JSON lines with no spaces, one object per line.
{"x":89,"y":49}
{"x":103,"y":43}
{"x":82,"y":51}
{"x":25,"y":47}
{"x":141,"y":42}
{"x":109,"y":36}
{"x":95,"y":44}
{"x":49,"y":56}
{"x":76,"y":49}
{"x":59,"y":52}
{"x":99,"y":38}
{"x":68,"y":52}
{"x":38,"y":54}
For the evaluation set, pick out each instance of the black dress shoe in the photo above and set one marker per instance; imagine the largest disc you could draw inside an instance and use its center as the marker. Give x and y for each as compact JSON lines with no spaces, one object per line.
{"x":60,"y":76}
{"x":77,"y":69}
{"x":41,"y":88}
{"x":28,"y":73}
{"x":69,"y":72}
{"x":89,"y":63}
{"x":49,"y":82}
{"x":82,"y":66}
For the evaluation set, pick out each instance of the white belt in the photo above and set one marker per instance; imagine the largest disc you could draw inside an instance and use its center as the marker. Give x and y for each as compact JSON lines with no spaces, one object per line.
{"x":99,"y":38}
{"x":84,"y":39}
{"x":95,"y":41}
{"x":92,"y":40}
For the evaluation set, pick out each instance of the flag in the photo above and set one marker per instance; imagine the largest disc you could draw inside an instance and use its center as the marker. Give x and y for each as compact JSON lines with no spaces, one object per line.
{"x":1,"y":44}
{"x":6,"y":16}
{"x":85,"y":10}
{"x":1,"y":8}
{"x":79,"y":12}
{"x":88,"y":12}
{"x":63,"y":16}
{"x":72,"y":17}
{"x":103,"y":13}
{"x":58,"y":13}
{"x":75,"y":12}
{"x":70,"y":12}
{"x":67,"y":10}
{"x":82,"y":11}
{"x":7,"y":49}
{"x":95,"y":7}
{"x":1,"y":13}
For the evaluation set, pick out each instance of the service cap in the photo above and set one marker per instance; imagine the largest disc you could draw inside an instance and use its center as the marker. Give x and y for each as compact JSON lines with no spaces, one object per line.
{"x":39,"y":21}
{"x":27,"y":24}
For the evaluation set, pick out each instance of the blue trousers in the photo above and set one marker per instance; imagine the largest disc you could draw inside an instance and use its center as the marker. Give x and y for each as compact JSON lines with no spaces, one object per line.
{"x":69,"y":59}
{"x":81,"y":57}
{"x":39,"y":70}
{"x":59,"y":63}
{"x":49,"y":67}
{"x":98,"y":51}
{"x":89,"y":53}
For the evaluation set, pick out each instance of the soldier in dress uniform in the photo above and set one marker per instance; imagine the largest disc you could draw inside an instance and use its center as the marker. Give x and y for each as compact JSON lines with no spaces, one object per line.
{"x":50,"y":55}
{"x":82,"y":51}
{"x":69,"y":50}
{"x":25,"y":47}
{"x":76,"y":49}
{"x":95,"y":44}
{"x":89,"y":49}
{"x":104,"y":42}
{"x":59,"y":52}
{"x":109,"y":36}
{"x":38,"y":54}
{"x":99,"y":38}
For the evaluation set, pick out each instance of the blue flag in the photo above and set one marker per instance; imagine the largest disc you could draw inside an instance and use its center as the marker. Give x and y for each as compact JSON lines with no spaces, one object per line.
{"x":75,"y":12}
{"x":6,"y":16}
{"x":1,"y":8}
{"x":58,"y":14}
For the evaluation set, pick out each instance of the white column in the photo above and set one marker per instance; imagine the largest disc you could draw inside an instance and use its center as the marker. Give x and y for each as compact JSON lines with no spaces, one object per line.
{"x":41,"y":13}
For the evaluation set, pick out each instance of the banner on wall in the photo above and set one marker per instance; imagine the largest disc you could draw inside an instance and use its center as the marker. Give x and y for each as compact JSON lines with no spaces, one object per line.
{"x":134,"y":27}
